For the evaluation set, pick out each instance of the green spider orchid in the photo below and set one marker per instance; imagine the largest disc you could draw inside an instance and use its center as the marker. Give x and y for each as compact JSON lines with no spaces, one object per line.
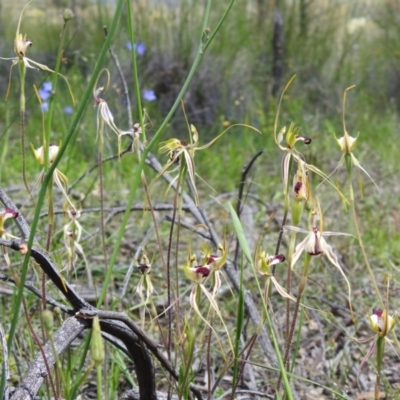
{"x":144,"y":285}
{"x":347,"y":144}
{"x":181,"y":154}
{"x":145,"y":288}
{"x":381,"y":323}
{"x":72,"y":233}
{"x":198,"y":275}
{"x":292,"y":137}
{"x":264,"y":263}
{"x":315,"y":244}
{"x":104,"y":114}
{"x":215,"y":262}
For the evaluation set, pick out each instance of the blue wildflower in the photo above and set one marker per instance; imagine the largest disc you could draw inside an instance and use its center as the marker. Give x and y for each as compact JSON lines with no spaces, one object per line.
{"x":47,"y":86}
{"x":140,"y":47}
{"x":45,"y":106}
{"x":68,"y":110}
{"x":44,"y":94}
{"x":149,"y":95}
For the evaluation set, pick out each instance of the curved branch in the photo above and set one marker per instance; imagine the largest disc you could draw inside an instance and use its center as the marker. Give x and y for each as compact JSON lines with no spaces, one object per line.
{"x":29,"y":285}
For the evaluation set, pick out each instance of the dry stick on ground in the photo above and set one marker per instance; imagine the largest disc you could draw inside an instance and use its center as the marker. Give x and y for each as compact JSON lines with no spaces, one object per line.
{"x":120,"y":210}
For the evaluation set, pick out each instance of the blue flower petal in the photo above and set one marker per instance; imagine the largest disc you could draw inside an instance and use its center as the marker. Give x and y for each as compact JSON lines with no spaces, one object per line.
{"x":45,"y":106}
{"x":68,"y":110}
{"x":44,"y":94}
{"x":149,"y":95}
{"x":47,"y":86}
{"x":140,"y":48}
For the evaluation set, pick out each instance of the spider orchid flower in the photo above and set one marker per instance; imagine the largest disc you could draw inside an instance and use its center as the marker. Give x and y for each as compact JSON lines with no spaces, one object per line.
{"x":181,"y":154}
{"x":315,"y":244}
{"x":301,"y":184}
{"x":347,"y":144}
{"x":59,"y":178}
{"x":104,"y":114}
{"x":198,"y":275}
{"x":292,"y":137}
{"x":144,"y":284}
{"x":264,"y":264}
{"x":6,"y":214}
{"x":381,"y":324}
{"x":72,"y":233}
{"x":134,"y":133}
{"x":40,"y":155}
{"x":215,"y":262}
{"x":21,"y":45}
{"x":301,"y":192}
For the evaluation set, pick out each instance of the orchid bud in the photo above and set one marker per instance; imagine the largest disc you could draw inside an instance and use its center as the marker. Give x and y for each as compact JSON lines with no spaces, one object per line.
{"x":96,"y":344}
{"x":68,"y":14}
{"x":48,"y":320}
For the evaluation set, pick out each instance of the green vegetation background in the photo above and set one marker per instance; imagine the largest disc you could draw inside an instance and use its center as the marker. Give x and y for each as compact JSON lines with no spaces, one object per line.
{"x":329,"y":45}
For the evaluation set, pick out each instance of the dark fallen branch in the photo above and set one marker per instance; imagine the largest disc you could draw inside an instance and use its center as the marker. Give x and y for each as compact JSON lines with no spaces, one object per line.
{"x":29,"y":286}
{"x":43,"y":259}
{"x":117,"y":323}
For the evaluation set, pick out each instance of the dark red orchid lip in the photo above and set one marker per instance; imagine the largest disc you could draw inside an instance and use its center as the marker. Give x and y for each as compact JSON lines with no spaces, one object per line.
{"x":204,"y":271}
{"x":143,"y":268}
{"x":14,"y":213}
